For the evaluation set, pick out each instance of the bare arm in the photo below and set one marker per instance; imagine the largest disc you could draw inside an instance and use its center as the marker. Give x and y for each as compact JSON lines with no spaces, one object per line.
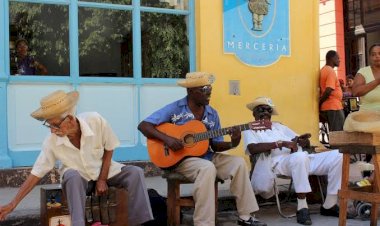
{"x":25,"y":188}
{"x":325,"y":95}
{"x":101,"y":184}
{"x":149,"y":130}
{"x":224,"y":146}
{"x":42,"y":70}
{"x":361,"y":88}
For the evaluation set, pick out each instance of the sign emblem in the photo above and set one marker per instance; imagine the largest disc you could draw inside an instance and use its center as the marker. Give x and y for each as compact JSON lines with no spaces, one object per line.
{"x":256,"y":31}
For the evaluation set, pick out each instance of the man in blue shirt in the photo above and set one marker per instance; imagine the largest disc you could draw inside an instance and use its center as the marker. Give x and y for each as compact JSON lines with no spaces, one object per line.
{"x":203,"y":170}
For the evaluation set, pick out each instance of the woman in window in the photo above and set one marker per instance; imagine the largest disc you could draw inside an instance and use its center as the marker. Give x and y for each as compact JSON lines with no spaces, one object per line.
{"x":25,"y":63}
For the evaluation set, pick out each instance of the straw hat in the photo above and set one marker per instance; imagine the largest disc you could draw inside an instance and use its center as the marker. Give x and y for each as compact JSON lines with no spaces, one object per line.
{"x":262,"y":101}
{"x":55,"y":104}
{"x":196,"y":79}
{"x":363,"y":121}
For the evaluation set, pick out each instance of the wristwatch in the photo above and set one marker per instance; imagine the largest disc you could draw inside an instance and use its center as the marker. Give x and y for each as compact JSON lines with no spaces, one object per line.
{"x":279,"y":144}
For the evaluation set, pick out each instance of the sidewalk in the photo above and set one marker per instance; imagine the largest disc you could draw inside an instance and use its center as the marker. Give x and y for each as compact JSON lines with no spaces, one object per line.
{"x":27,"y":213}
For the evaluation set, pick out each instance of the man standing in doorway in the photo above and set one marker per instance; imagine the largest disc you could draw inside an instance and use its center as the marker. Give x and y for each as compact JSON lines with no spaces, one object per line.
{"x":330,"y":102}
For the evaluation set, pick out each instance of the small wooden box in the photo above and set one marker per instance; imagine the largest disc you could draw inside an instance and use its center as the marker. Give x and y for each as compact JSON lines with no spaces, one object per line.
{"x":53,"y":208}
{"x":338,"y":138}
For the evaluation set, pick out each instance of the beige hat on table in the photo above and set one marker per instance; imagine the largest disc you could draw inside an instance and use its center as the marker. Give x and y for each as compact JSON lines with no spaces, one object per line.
{"x":55,"y":104}
{"x":262,"y":101}
{"x":363,"y":121}
{"x":196,"y":79}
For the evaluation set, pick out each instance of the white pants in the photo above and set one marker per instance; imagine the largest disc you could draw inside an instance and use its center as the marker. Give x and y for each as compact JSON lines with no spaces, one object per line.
{"x":300,"y":165}
{"x":204,"y":172}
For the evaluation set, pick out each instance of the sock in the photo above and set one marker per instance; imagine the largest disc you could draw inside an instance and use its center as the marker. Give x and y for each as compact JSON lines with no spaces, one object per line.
{"x":301,"y":203}
{"x":244,"y":217}
{"x":330,"y":201}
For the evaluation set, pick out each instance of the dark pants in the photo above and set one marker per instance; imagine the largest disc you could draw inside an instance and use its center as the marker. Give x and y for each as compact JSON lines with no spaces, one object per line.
{"x":335,"y":119}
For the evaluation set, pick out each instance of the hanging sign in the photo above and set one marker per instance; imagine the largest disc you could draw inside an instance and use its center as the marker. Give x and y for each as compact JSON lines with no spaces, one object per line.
{"x":256,"y":31}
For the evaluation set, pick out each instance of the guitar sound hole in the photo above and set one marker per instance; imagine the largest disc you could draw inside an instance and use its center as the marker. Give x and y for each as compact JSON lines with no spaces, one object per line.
{"x":188,"y":140}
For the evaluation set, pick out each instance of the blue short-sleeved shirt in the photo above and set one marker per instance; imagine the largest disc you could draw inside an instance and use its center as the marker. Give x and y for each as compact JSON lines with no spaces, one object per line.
{"x":179,"y":113}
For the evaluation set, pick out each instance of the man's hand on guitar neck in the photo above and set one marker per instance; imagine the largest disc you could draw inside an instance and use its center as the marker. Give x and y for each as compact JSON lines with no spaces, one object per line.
{"x":235,"y":134}
{"x":173,"y":143}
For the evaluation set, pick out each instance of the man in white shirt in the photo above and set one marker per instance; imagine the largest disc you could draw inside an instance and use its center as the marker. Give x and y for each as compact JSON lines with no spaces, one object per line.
{"x":289,"y":158}
{"x":84,"y":145}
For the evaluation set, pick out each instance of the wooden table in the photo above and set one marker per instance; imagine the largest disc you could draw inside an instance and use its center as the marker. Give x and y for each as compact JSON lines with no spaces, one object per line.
{"x":350,"y":143}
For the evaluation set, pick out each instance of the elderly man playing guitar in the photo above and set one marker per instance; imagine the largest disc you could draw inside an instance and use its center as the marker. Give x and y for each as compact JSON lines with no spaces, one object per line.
{"x":202,"y":167}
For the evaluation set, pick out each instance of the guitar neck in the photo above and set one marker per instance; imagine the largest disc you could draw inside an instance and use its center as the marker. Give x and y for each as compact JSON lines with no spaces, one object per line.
{"x":219,"y":132}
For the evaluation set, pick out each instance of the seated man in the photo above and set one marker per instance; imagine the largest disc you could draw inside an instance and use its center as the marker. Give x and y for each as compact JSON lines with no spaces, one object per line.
{"x":288,"y":158}
{"x":203,"y":170}
{"x":84,"y":144}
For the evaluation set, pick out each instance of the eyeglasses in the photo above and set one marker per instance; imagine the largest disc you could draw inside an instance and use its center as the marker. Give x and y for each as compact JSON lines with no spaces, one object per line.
{"x":51,"y":126}
{"x":205,"y":89}
{"x":264,"y":108}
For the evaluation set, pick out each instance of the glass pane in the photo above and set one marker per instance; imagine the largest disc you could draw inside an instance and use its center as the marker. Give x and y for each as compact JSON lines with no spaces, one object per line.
{"x":121,"y":2}
{"x":371,"y":12}
{"x":165,"y":45}
{"x":350,"y":14}
{"x":168,"y":4}
{"x":39,"y":45}
{"x":105,"y":43}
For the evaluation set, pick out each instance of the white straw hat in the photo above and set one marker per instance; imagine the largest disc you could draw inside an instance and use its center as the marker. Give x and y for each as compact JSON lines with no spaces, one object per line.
{"x":196,"y":79}
{"x":363,"y":121}
{"x":55,"y":104}
{"x":262,"y":101}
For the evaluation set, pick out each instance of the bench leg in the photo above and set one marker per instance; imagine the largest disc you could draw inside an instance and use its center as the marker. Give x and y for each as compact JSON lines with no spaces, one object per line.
{"x":216,"y":202}
{"x":173,"y":207}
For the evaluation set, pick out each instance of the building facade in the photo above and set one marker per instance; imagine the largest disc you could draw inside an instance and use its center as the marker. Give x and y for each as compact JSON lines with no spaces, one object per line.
{"x":350,"y":27}
{"x":125,"y":56}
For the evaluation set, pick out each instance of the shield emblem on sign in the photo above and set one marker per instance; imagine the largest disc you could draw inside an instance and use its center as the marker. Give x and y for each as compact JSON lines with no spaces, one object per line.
{"x":256,"y":31}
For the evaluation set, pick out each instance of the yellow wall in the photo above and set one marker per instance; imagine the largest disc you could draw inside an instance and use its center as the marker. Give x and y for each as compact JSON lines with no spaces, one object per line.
{"x":292,"y":82}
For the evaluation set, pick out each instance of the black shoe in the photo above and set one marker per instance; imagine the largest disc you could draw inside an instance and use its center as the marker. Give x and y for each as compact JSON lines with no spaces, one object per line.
{"x":334,"y":212}
{"x":303,"y":216}
{"x":251,"y":222}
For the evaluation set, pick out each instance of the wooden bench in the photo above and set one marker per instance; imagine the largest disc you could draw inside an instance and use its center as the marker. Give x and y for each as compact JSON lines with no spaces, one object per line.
{"x":175,"y":201}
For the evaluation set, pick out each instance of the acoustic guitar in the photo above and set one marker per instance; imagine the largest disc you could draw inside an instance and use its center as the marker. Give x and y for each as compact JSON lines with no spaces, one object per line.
{"x":194,"y":137}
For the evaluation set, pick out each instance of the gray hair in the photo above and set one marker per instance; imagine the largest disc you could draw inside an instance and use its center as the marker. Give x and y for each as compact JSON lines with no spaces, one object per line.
{"x":71,"y":111}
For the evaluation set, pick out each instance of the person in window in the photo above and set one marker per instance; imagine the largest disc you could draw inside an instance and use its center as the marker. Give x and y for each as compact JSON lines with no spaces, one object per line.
{"x":204,"y":170}
{"x":84,"y":145}
{"x":348,"y":89}
{"x":330,"y":101}
{"x":288,"y":155}
{"x":25,"y":63}
{"x":367,"y":81}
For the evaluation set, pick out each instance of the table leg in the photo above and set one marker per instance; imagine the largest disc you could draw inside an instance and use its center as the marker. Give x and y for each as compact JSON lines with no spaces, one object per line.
{"x":344,"y":186}
{"x":376,"y":188}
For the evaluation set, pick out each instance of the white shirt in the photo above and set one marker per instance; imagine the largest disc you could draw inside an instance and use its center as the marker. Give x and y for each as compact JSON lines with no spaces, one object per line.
{"x":97,"y":137}
{"x":278,"y":132}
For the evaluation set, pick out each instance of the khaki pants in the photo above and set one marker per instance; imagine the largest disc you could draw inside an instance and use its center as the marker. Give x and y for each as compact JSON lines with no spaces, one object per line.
{"x":204,"y":172}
